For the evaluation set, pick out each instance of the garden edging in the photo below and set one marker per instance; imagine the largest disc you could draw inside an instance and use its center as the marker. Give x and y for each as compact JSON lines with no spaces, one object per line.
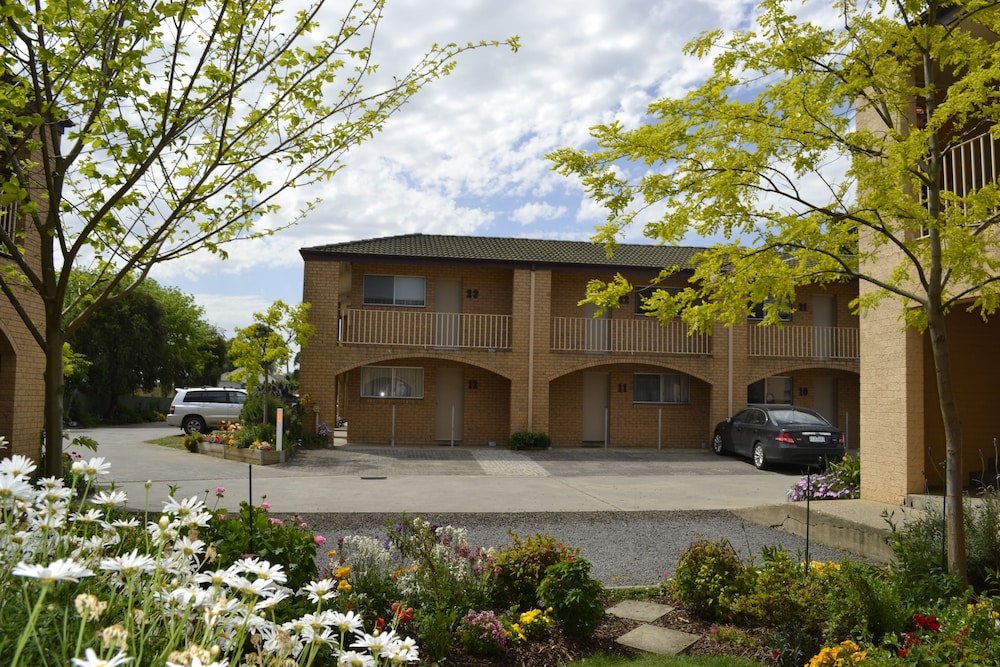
{"x":245,"y":455}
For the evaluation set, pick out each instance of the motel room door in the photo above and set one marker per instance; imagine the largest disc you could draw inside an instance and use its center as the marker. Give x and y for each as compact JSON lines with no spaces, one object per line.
{"x":448,"y":413}
{"x":824,"y":320}
{"x":447,"y":313}
{"x":596,"y":399}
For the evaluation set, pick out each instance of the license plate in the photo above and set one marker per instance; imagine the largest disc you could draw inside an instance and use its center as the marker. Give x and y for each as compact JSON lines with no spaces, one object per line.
{"x":817,"y":438}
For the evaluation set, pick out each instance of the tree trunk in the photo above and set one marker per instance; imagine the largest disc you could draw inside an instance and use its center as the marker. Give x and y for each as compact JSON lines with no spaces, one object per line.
{"x":53,"y":466}
{"x":954,"y":481}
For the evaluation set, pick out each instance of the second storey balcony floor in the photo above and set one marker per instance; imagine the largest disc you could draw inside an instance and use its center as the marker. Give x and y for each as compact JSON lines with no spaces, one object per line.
{"x":468,"y":331}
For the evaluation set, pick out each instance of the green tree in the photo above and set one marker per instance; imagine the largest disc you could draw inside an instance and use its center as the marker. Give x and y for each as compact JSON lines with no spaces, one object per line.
{"x":194,"y":351}
{"x":260,"y":349}
{"x":750,"y":157}
{"x":153,"y":337}
{"x":138,"y":132}
{"x":125,"y":345}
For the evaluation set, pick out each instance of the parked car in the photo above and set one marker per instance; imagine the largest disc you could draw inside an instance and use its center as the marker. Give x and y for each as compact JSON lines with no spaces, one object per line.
{"x":194,"y":409}
{"x":780,"y":434}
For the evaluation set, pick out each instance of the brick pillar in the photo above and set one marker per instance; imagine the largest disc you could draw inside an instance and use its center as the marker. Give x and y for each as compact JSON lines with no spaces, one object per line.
{"x":319,"y":357}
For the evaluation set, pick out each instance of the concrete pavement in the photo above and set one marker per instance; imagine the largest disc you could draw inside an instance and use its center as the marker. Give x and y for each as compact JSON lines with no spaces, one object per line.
{"x":486,"y":479}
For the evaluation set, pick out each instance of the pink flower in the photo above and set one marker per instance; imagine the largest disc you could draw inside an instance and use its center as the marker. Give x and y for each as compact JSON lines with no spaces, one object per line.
{"x":319,"y":540}
{"x":276,"y":521}
{"x":219,"y":490}
{"x":266,"y":507}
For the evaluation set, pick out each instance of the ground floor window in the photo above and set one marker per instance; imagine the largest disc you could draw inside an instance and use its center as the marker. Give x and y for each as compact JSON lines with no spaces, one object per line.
{"x":776,"y":389}
{"x":392,"y":382}
{"x":661,"y":388}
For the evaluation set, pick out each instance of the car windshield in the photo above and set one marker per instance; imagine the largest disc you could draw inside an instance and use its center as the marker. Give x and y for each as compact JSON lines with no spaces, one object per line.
{"x":792,"y":416}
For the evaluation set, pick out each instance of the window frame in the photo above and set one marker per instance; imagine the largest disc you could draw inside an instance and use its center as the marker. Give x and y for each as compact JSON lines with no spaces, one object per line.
{"x":684,"y":389}
{"x":397,"y":302}
{"x":416,"y":393}
{"x":637,"y":296}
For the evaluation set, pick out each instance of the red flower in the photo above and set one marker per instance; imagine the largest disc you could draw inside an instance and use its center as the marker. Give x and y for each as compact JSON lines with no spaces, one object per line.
{"x":927,"y":622}
{"x":405,"y":615}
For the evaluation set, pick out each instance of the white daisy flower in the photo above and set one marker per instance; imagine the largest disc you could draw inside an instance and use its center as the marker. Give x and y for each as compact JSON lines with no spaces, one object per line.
{"x":91,"y":660}
{"x":183,"y":508}
{"x":96,"y":467}
{"x":263,"y":569}
{"x":355,"y":659}
{"x":130,"y":563}
{"x":375,"y":644}
{"x":64,"y":569}
{"x":14,"y":489}
{"x":109,"y":499}
{"x":17,"y":466}
{"x":349,"y":622}
{"x":321,"y":590}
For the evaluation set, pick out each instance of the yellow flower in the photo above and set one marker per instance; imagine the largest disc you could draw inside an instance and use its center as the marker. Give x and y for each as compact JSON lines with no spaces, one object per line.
{"x":529,"y":617}
{"x":342,"y":585}
{"x":342,"y":572}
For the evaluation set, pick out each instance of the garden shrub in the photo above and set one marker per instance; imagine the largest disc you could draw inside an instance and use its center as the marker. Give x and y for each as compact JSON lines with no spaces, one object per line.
{"x":919,"y":563}
{"x":285,"y":542}
{"x":482,"y":633}
{"x":521,"y":566}
{"x":783,"y":593}
{"x":573,"y":596}
{"x":371,"y":568}
{"x":791,"y":645}
{"x":529,"y":440}
{"x":862,"y":601}
{"x":709,"y":577}
{"x":982,"y":541}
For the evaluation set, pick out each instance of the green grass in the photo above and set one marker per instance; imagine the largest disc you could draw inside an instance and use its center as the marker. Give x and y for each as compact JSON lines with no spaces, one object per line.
{"x":665,"y":661}
{"x":169,"y":441}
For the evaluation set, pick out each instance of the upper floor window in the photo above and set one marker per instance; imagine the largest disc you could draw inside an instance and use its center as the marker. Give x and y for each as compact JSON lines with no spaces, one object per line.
{"x":758,"y":311}
{"x":392,"y":382}
{"x":661,"y":388}
{"x":642,"y":293}
{"x":395,"y":291}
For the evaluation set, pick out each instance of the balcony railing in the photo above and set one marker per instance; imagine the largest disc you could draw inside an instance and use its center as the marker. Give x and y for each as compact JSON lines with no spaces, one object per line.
{"x":841,"y":343}
{"x":969,"y":166}
{"x":8,"y":216}
{"x":639,"y":335}
{"x":418,"y":328}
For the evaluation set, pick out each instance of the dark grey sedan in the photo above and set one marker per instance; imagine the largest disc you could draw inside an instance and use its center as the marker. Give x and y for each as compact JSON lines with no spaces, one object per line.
{"x":779,"y":434}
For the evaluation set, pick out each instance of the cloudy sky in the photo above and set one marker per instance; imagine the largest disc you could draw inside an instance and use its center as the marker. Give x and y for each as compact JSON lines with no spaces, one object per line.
{"x":467,"y":156}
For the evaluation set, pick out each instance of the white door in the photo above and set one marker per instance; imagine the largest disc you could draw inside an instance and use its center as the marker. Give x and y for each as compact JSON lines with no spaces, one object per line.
{"x":597,"y":332}
{"x":448,"y":415}
{"x":447,"y":313}
{"x":824,"y":323}
{"x":596,"y":395}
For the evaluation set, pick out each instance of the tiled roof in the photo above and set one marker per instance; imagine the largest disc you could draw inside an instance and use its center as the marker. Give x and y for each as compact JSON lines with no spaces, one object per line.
{"x":430,"y":247}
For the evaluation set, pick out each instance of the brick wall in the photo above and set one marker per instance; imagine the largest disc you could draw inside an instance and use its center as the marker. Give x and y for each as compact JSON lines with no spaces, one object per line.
{"x":530,"y":386}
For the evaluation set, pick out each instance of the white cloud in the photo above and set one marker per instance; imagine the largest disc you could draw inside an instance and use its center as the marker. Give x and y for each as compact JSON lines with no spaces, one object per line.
{"x":468,"y":154}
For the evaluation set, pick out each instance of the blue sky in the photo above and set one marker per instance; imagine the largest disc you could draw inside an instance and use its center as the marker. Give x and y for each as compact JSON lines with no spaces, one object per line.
{"x":467,"y":156}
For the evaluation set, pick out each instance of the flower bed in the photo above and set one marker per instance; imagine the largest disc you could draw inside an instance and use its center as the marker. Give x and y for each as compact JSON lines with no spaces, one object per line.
{"x":255,"y":456}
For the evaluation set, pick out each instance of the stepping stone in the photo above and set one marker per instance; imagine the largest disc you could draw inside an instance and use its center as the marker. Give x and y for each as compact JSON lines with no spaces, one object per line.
{"x":654,"y":639}
{"x":640,"y":610}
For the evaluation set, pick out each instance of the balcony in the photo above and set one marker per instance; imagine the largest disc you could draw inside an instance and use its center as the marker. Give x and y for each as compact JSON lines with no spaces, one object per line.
{"x":826,"y":343}
{"x":418,"y":328}
{"x":641,"y":335}
{"x":8,"y":216}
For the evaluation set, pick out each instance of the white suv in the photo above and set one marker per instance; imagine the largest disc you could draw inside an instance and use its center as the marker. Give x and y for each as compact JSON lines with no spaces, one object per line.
{"x":196,"y":408}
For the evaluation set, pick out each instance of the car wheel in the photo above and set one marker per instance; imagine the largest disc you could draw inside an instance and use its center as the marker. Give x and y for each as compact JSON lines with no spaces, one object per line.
{"x":717,"y":444}
{"x":759,"y":458}
{"x":193,"y":425}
